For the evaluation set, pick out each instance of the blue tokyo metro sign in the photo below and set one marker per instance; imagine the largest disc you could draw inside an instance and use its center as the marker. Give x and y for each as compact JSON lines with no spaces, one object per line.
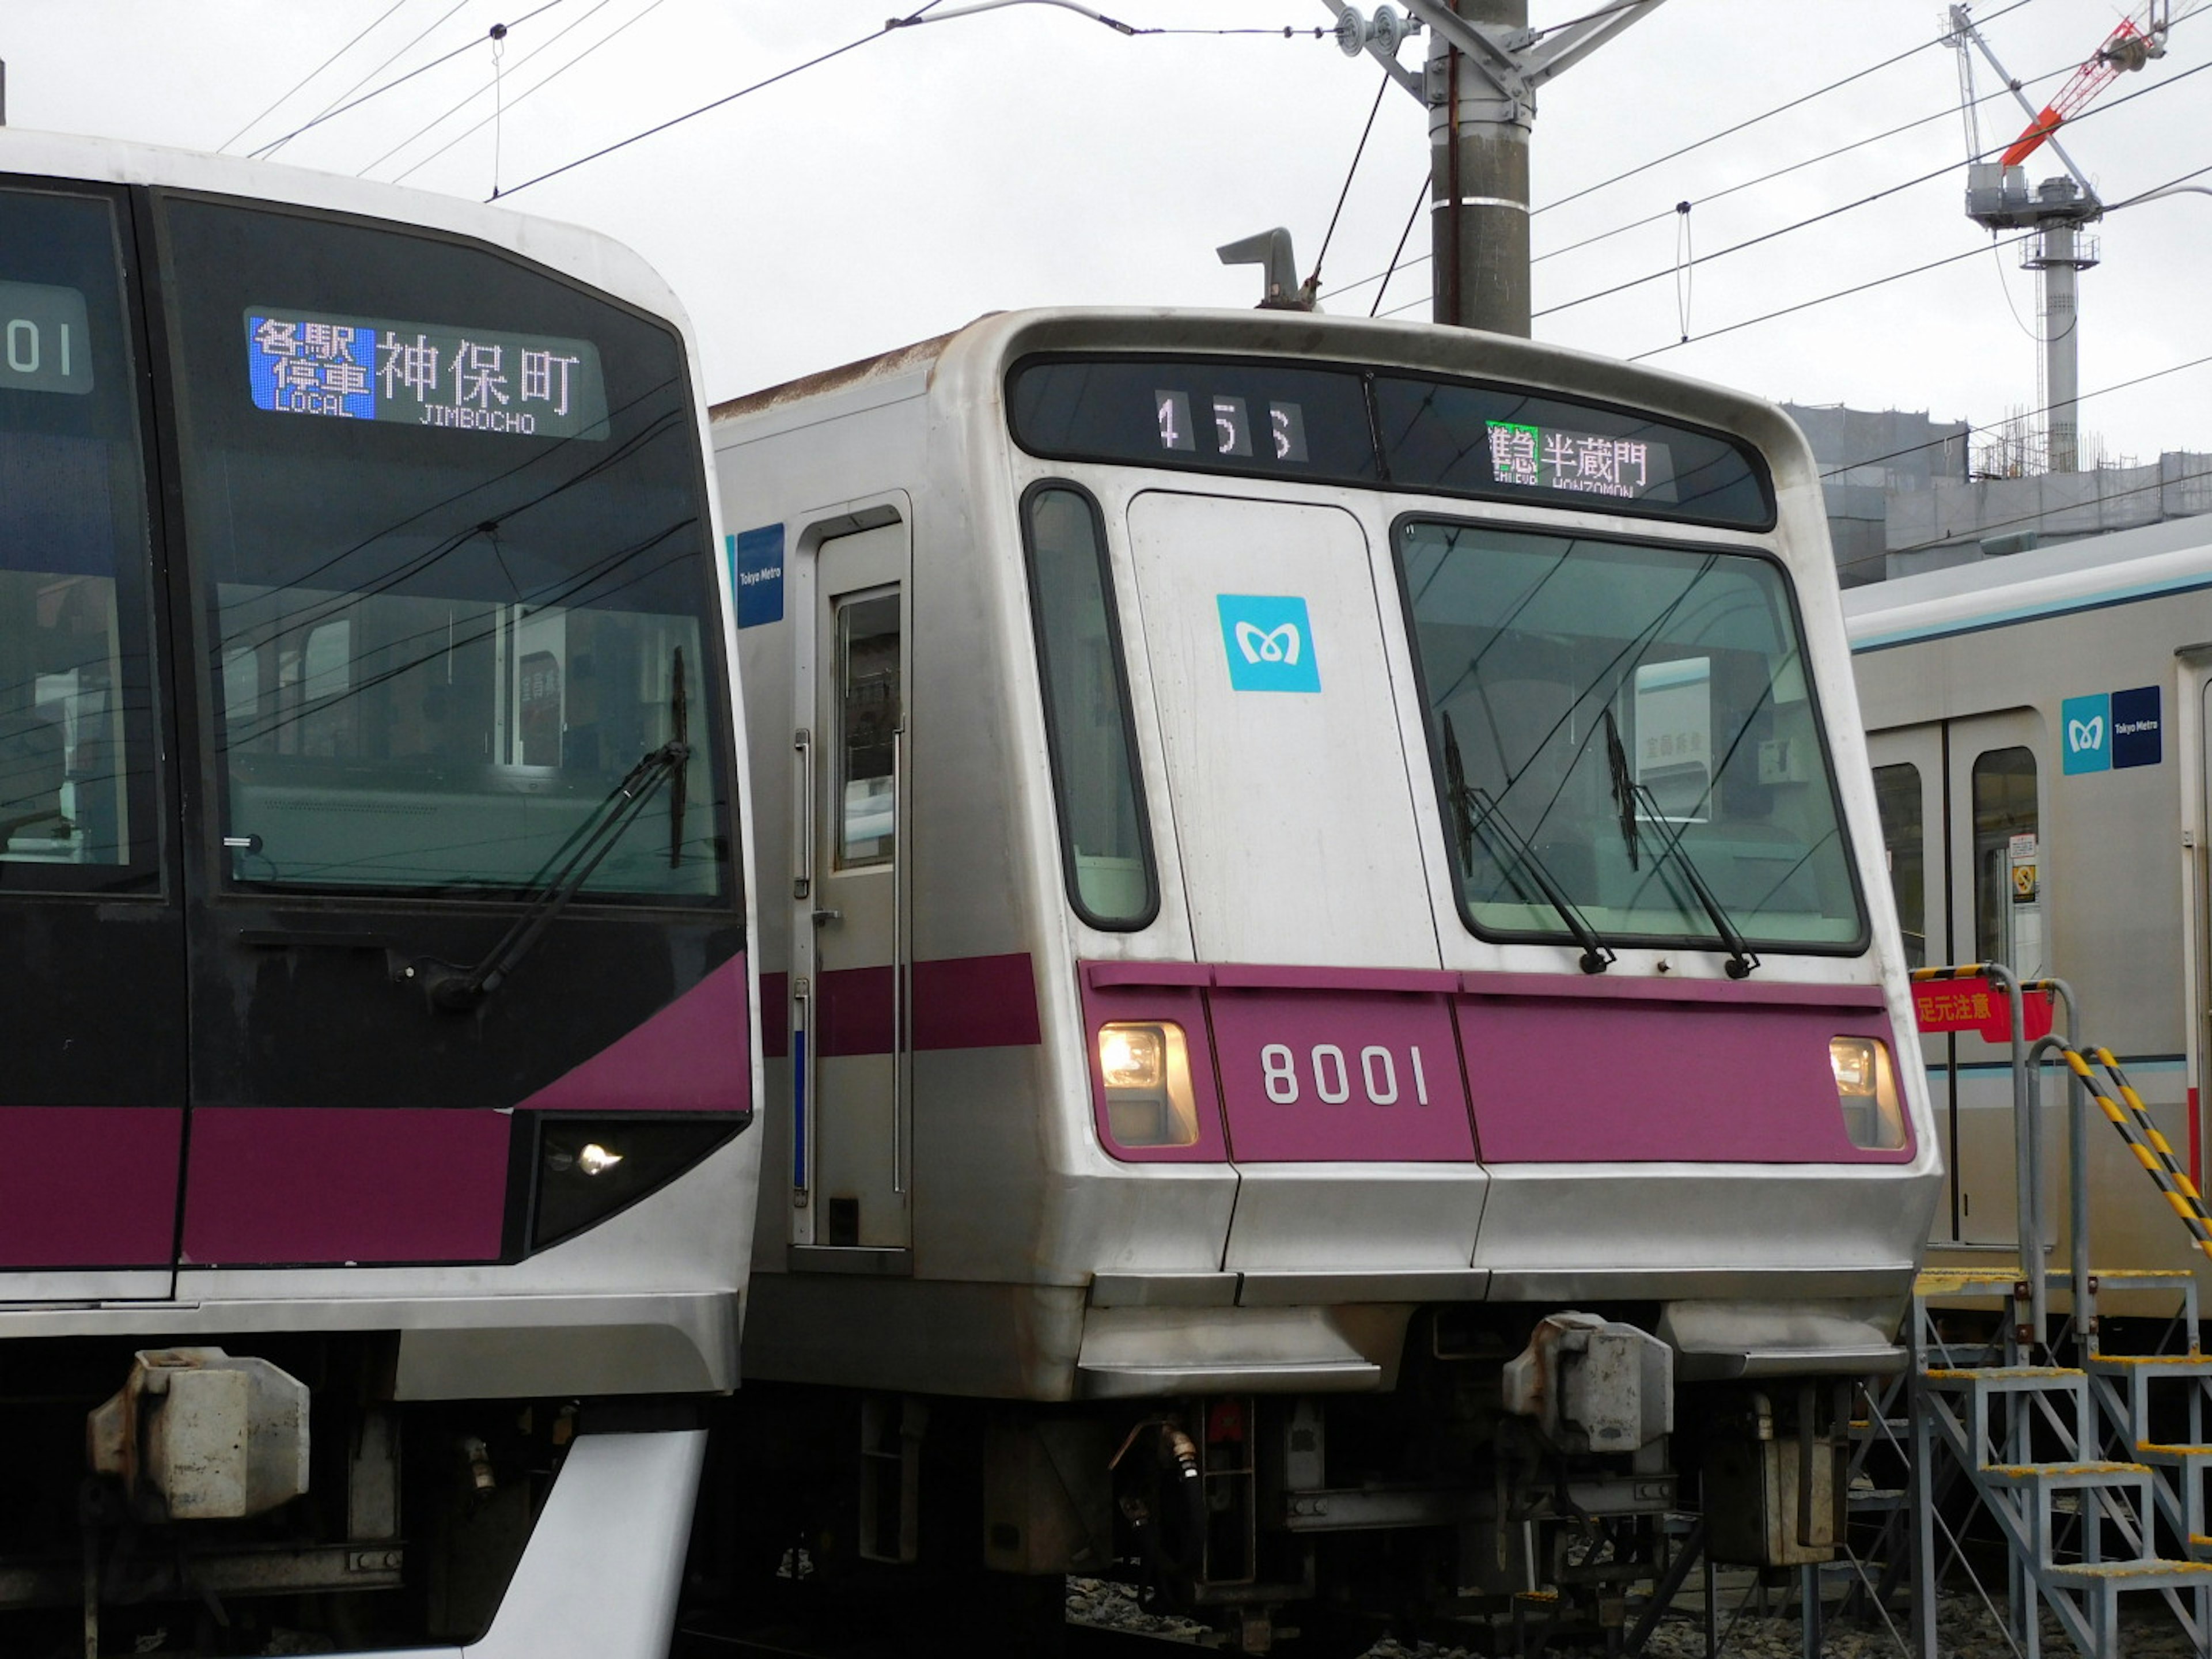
{"x":2112,"y":730}
{"x":1269,"y":641}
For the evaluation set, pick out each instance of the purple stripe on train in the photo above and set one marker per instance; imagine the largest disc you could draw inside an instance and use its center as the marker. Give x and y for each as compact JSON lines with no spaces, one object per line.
{"x":959,"y":1002}
{"x":89,"y":1186}
{"x":1340,"y":1065}
{"x":331,"y":1184}
{"x":689,"y":1057}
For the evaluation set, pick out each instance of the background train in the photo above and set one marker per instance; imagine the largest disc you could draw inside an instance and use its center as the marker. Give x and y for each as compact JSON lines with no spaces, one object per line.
{"x":2036,"y":728}
{"x":1326,"y":1032}
{"x":376,"y":1048}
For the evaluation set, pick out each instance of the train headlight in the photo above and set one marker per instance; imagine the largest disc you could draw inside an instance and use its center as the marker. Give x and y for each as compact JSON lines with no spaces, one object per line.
{"x":1865,"y":1087}
{"x":1146,"y":1069}
{"x":587,"y":1169}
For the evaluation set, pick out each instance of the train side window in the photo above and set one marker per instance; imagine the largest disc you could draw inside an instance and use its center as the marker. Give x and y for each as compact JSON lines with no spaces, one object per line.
{"x":869,"y":718}
{"x":1111,"y":879}
{"x":1897,"y":796}
{"x":2007,"y":893}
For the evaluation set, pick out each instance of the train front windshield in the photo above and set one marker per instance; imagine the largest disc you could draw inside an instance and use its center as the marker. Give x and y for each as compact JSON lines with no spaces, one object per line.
{"x":1624,"y":732}
{"x":452,"y":566}
{"x":1615,"y":722}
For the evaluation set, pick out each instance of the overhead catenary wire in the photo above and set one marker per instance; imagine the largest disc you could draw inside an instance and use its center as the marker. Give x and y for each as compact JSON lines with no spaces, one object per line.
{"x":551,"y":76}
{"x":1767,"y":115}
{"x":1865,"y":201}
{"x":1349,"y":173}
{"x":1943,"y":113}
{"x":1421,"y":196}
{"x":1916,"y":271}
{"x":1286,"y":32}
{"x":300,"y":85}
{"x":333,"y":112}
{"x":1826,"y":298}
{"x":415,"y":40}
{"x":474,"y":94}
{"x":1973,"y":427}
{"x":815,"y":62}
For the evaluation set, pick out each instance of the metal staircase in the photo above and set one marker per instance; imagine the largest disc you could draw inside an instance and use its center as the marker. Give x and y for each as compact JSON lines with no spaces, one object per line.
{"x":2061,"y":1457}
{"x":2066,"y":1458}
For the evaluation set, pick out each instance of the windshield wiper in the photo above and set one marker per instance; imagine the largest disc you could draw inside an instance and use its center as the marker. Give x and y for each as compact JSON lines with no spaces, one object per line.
{"x":1629,"y":796}
{"x":1598,"y":956}
{"x":457,"y":989}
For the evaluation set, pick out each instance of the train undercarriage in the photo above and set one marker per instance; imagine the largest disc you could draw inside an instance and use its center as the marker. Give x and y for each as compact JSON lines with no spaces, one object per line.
{"x":1520,"y":1479}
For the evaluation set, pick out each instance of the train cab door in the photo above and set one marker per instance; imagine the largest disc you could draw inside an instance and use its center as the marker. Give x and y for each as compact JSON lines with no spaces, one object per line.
{"x":851,"y":955}
{"x":1995,"y":785}
{"x":1910,"y":792}
{"x":1262,"y":625}
{"x":92,"y":932}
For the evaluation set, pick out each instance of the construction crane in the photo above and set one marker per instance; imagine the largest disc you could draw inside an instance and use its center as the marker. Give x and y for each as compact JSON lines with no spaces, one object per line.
{"x":2130,"y":47}
{"x":1998,"y":198}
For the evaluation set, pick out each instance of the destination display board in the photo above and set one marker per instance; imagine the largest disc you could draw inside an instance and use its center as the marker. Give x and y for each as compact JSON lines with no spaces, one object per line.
{"x":365,"y":368}
{"x":45,"y":342}
{"x":1378,"y":427}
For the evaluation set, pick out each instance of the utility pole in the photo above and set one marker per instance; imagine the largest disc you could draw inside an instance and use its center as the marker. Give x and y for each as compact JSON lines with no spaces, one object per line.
{"x":1485,"y":64}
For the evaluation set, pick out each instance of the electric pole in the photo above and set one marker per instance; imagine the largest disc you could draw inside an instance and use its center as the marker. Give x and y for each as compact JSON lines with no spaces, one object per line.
{"x":1479,"y":84}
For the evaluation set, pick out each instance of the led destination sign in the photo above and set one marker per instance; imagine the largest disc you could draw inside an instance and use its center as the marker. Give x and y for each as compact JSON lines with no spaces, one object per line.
{"x":1583,"y":463}
{"x":362,"y":368}
{"x":1380,"y":428}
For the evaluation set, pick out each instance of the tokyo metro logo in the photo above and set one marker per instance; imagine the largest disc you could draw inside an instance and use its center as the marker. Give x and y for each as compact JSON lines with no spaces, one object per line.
{"x":1281,"y":645}
{"x":2112,"y":730}
{"x":1269,"y":643}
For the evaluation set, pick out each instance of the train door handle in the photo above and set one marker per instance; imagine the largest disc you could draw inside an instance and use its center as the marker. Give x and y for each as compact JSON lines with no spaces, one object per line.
{"x":821,"y":916}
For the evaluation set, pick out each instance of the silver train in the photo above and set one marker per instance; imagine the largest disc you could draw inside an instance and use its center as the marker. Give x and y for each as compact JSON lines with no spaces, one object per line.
{"x":2036,"y":727}
{"x":377,"y":1046}
{"x":1330,"y":1026}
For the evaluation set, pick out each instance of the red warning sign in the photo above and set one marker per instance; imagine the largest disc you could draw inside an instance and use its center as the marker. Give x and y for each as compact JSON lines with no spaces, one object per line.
{"x":1975,"y":1004}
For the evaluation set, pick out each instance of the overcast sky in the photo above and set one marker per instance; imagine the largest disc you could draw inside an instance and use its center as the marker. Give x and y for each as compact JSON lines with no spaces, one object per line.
{"x":1029,"y":156}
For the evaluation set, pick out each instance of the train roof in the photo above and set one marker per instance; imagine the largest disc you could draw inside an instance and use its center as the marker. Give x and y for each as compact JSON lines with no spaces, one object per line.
{"x":2098,"y":571}
{"x":588,"y":256}
{"x":1000,"y":335}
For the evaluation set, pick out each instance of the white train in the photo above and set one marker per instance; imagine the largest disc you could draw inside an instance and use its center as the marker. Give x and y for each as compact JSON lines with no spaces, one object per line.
{"x":2036,"y":728}
{"x":1306,"y":855}
{"x":377,"y":1040}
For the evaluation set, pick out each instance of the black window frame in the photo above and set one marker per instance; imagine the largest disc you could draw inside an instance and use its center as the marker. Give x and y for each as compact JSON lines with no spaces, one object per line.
{"x":1856,"y":946}
{"x":1365,"y":374}
{"x":150,"y":878}
{"x":194,"y":662}
{"x":1140,"y":805}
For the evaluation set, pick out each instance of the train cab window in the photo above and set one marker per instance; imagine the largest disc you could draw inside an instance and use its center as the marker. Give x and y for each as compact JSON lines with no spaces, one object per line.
{"x":868,"y":719}
{"x":1106,"y":851}
{"x":2008,"y":885}
{"x":1615,"y":725}
{"x":76,"y":695}
{"x":450,"y":537}
{"x":1897,"y":796}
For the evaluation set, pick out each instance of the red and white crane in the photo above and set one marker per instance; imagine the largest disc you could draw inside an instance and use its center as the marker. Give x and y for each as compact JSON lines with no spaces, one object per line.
{"x":2130,"y":47}
{"x":1998,"y":198}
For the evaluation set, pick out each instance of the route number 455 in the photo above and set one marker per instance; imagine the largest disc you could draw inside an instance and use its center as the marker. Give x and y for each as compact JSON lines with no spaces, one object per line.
{"x":1332,"y":1075}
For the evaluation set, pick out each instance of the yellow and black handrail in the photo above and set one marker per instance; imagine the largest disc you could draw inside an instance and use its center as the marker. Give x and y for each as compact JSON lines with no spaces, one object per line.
{"x":2131,"y":1117}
